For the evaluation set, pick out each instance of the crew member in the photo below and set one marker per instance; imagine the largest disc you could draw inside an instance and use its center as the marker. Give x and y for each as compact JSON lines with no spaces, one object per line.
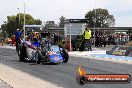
{"x":87,"y":37}
{"x":18,"y":35}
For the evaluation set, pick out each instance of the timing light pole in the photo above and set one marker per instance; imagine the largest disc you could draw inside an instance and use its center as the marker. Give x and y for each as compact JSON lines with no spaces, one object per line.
{"x":19,"y":17}
{"x":24,"y":22}
{"x":70,"y":37}
{"x":94,"y":26}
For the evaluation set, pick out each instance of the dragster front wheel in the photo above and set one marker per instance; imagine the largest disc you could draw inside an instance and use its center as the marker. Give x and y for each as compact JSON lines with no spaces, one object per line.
{"x":65,"y":55}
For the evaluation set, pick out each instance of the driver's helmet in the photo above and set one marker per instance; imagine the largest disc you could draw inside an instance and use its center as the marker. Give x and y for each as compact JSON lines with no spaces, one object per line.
{"x":35,"y":39}
{"x":45,"y":43}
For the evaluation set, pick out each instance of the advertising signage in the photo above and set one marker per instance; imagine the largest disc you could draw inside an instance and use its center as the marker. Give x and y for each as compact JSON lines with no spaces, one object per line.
{"x":122,"y":51}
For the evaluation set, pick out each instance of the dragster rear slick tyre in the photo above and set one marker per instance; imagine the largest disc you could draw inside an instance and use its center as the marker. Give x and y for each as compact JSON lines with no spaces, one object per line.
{"x":22,"y":54}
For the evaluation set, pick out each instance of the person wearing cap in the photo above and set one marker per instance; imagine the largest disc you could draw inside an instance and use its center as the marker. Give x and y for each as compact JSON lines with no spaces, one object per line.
{"x":87,"y":39}
{"x":18,"y":35}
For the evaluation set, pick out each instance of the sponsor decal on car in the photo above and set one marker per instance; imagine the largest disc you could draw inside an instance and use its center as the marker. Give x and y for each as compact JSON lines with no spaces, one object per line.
{"x":56,"y":58}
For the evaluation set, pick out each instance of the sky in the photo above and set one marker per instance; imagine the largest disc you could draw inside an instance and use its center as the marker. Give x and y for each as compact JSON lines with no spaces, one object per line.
{"x":72,"y":9}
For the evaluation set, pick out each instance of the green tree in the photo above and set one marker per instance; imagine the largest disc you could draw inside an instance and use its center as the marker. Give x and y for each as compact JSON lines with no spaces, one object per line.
{"x":38,"y":22}
{"x":62,"y":19}
{"x":14,"y":23}
{"x":50,"y":24}
{"x":4,"y":26}
{"x":29,"y":20}
{"x":100,"y":17}
{"x":10,"y":24}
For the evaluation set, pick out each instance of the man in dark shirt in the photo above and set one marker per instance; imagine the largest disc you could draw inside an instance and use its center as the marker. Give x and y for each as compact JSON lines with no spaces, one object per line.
{"x":18,"y":35}
{"x":55,"y":39}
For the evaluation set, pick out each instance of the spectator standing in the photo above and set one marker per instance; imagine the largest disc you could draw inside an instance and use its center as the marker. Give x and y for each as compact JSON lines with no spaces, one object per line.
{"x":100,"y":40}
{"x":13,"y":40}
{"x":124,"y":39}
{"x":55,"y":39}
{"x":116,"y":40}
{"x":104,"y":40}
{"x":130,"y":38}
{"x":127,"y":38}
{"x":97,"y":39}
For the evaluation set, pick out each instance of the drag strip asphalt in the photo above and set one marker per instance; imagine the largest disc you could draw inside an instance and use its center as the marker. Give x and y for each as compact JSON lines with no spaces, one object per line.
{"x":64,"y":75}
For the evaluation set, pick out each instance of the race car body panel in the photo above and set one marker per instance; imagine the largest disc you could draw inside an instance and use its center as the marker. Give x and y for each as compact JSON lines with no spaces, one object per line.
{"x":30,"y":53}
{"x":30,"y":49}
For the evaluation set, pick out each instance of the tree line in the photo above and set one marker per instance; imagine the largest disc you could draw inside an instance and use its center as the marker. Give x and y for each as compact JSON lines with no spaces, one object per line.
{"x":16,"y":22}
{"x":96,"y":17}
